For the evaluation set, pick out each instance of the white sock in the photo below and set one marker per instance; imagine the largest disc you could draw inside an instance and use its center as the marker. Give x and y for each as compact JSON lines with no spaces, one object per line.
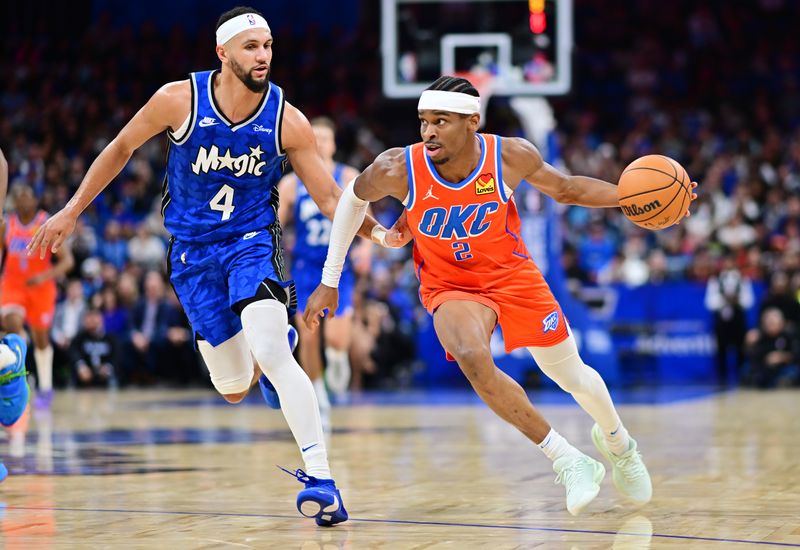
{"x":265,"y":323}
{"x":44,"y":367}
{"x":618,"y":440}
{"x":337,"y":370}
{"x":554,"y":446}
{"x":322,"y":395}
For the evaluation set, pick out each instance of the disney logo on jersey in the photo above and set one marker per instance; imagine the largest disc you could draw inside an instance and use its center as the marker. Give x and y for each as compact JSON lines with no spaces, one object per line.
{"x":458,"y":221}
{"x":484,"y":184}
{"x":209,"y":160}
{"x":260,"y":128}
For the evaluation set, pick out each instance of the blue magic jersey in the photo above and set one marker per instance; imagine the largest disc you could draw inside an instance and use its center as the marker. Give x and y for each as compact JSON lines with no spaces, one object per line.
{"x":312,"y":228}
{"x":221,"y":178}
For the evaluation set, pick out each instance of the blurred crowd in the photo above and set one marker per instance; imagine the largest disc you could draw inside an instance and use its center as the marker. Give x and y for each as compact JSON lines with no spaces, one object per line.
{"x":713,"y":85}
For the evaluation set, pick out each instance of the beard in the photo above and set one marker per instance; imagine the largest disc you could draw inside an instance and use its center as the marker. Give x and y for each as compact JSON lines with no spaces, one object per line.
{"x":440,"y":161}
{"x":247,"y":79}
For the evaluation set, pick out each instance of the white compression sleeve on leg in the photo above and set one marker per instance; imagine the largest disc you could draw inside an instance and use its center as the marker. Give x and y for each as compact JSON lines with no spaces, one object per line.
{"x":563,"y":364}
{"x":348,"y":218}
{"x":265,"y":323}
{"x":229,"y":364}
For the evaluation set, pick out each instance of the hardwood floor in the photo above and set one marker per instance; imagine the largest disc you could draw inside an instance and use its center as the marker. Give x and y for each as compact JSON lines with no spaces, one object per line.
{"x":180,"y":470}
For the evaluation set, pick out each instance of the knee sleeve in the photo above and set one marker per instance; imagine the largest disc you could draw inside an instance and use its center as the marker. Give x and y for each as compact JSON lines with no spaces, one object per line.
{"x":563,"y":364}
{"x":265,"y":324}
{"x":229,"y":364}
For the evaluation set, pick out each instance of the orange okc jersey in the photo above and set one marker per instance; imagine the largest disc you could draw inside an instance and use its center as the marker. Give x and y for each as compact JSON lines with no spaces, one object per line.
{"x":467,"y":246}
{"x":35,"y":302}
{"x":19,"y":267}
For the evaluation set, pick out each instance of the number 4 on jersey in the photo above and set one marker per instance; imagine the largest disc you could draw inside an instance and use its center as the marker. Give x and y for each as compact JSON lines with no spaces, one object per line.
{"x":223,"y":202}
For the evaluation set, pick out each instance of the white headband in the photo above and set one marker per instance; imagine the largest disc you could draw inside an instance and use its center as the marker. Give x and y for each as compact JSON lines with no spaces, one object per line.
{"x":240,"y":23}
{"x":456,"y":102}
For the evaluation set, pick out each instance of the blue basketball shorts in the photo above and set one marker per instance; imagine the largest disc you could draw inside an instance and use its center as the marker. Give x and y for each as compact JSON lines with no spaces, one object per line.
{"x":307,"y":276}
{"x":211,"y":278}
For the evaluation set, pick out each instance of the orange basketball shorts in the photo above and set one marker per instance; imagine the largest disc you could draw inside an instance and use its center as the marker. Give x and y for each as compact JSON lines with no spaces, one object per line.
{"x":36,"y":303}
{"x":526,"y":309}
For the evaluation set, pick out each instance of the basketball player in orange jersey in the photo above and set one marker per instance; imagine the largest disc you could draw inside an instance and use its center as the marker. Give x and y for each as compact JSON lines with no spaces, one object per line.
{"x":475,"y":272}
{"x":28,"y":289}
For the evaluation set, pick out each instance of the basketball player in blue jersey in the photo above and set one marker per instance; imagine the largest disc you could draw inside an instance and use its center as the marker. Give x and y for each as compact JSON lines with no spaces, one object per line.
{"x":312,"y":232}
{"x":231,"y":131}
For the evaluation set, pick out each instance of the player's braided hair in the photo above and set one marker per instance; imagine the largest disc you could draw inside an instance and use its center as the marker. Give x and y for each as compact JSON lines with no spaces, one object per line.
{"x":454,"y":84}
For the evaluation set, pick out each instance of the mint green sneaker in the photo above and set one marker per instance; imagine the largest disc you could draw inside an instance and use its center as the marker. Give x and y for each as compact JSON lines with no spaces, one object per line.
{"x":581,"y":475}
{"x":629,"y":473}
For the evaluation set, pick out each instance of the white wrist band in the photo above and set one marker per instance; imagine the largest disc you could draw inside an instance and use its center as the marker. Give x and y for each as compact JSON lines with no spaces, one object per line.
{"x":378,"y":235}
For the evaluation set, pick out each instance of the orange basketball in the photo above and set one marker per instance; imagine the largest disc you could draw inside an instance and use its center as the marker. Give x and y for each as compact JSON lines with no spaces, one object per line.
{"x":654,"y":191}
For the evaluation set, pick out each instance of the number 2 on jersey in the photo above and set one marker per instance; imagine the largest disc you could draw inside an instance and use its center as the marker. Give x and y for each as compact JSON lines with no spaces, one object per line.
{"x":461,"y":251}
{"x":223,"y":202}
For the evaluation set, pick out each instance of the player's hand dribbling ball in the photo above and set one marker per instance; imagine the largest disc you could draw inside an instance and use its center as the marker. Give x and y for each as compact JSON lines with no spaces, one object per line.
{"x":655,"y":192}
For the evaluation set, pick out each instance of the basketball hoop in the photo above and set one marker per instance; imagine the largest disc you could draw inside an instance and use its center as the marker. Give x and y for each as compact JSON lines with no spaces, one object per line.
{"x":483,"y":80}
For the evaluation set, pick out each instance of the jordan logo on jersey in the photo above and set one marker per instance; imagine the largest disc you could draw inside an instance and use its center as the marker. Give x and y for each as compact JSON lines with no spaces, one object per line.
{"x":210,"y":160}
{"x":484,"y":184}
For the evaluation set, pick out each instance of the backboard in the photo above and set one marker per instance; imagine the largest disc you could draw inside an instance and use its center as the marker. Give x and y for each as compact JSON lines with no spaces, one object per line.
{"x":525,"y":44}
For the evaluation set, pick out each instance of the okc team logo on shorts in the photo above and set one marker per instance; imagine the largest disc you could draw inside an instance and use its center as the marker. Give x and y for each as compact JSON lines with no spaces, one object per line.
{"x":550,"y":322}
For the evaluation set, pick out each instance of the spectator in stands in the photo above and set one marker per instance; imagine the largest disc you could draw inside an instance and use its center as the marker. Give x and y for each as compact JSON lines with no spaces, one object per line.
{"x":116,"y":317}
{"x":728,"y":295}
{"x":147,"y":250}
{"x":780,"y":297}
{"x":178,"y":361}
{"x":774,"y":352}
{"x":149,"y":323}
{"x":113,"y":248}
{"x":93,"y":353}
{"x":68,"y":317}
{"x":596,"y":249}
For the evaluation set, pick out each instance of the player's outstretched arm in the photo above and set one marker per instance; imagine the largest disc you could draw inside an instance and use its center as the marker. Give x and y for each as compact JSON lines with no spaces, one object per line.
{"x":168,"y":107}
{"x":384,"y":177}
{"x":526,"y":163}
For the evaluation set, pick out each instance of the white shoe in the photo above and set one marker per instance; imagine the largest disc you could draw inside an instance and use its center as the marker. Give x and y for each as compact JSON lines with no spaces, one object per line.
{"x":629,"y":473}
{"x":581,"y":476}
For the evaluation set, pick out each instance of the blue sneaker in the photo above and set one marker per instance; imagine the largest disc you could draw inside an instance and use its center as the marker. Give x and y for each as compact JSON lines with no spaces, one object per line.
{"x":14,"y":391}
{"x":3,"y":472}
{"x":320,"y":499}
{"x":267,"y":389}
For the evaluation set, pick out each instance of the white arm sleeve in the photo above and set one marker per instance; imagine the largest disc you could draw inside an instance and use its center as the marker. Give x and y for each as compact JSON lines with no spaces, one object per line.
{"x":348,"y":218}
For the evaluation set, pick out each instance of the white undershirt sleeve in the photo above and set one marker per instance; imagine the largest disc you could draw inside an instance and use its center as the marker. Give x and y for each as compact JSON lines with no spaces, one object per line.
{"x":347,"y":219}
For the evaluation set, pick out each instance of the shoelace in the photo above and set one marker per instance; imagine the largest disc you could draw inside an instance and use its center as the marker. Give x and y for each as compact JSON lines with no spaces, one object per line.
{"x":300,"y":475}
{"x":631,"y":466}
{"x":567,"y":475}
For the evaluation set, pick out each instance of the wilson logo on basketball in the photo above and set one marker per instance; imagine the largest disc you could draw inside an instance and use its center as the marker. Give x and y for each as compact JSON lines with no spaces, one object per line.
{"x":636,"y":210}
{"x":484,"y":184}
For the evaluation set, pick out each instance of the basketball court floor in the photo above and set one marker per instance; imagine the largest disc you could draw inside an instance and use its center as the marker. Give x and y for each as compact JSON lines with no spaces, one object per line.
{"x":183,"y":470}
